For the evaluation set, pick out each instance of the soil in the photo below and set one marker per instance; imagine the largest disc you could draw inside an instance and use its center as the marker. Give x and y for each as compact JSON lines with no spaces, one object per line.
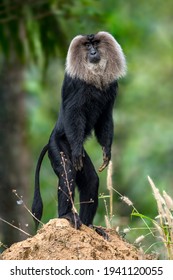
{"x":58,"y":240}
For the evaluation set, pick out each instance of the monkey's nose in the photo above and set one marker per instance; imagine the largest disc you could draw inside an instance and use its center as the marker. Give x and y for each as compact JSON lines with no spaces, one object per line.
{"x":93,"y":51}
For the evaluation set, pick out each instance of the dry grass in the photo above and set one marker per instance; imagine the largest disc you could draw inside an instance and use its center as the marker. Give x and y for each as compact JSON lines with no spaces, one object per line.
{"x":163,"y":223}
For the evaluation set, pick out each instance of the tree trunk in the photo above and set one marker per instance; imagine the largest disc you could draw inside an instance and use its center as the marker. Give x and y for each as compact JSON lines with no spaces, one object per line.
{"x":13,"y":152}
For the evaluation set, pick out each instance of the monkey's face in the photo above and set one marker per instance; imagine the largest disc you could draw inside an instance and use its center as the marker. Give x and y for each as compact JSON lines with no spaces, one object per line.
{"x":93,"y":55}
{"x":97,"y":59}
{"x":92,"y":49}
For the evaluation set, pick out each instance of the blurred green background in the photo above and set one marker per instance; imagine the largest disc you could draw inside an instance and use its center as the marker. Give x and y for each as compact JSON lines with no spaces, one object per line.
{"x":34,"y":38}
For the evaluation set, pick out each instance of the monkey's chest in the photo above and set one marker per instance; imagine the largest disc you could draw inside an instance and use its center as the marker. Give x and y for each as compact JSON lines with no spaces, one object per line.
{"x":93,"y":109}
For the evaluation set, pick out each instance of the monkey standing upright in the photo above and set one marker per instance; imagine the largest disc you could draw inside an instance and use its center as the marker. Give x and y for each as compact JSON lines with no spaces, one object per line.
{"x":94,"y":64}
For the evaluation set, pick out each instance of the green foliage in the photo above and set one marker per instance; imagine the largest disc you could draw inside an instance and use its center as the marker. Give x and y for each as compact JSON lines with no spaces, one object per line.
{"x":31,"y":29}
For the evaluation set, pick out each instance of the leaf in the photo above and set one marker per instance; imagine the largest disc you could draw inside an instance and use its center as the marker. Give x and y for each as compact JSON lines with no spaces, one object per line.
{"x":135,"y":214}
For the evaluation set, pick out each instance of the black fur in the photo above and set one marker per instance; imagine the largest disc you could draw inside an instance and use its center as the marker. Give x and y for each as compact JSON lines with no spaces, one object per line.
{"x":84,"y":108}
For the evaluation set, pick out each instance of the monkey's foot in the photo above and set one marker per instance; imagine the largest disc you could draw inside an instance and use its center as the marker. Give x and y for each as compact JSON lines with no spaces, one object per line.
{"x":73,"y":218}
{"x":100,"y":231}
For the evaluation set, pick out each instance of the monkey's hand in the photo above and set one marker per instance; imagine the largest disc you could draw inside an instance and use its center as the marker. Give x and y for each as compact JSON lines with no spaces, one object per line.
{"x":77,"y":161}
{"x":106,"y":159}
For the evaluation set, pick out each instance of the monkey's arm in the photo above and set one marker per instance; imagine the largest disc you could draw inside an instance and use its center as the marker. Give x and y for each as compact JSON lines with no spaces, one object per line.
{"x":74,"y":125}
{"x":74,"y":120}
{"x":104,"y":134}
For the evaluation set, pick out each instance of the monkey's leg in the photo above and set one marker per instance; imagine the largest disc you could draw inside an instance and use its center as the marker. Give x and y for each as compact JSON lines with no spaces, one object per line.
{"x":88,"y":183}
{"x":59,"y":154}
{"x":66,"y":192}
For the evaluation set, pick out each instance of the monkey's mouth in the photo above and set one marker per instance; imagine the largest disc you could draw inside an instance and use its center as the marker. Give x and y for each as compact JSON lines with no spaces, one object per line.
{"x":94,"y":58}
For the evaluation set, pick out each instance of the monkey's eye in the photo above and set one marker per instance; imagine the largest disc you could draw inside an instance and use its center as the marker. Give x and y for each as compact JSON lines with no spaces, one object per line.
{"x":87,"y":45}
{"x":96,"y":43}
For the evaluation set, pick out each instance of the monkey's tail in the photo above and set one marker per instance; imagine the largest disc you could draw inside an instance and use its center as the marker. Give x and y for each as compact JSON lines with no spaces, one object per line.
{"x":37,"y":205}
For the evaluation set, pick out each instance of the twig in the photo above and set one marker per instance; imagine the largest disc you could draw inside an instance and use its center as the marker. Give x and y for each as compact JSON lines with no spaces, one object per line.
{"x":15,"y":227}
{"x":24,"y":205}
{"x":67,"y":182}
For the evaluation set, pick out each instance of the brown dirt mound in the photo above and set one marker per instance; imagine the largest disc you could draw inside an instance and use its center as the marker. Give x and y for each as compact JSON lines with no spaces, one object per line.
{"x":57,"y":240}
